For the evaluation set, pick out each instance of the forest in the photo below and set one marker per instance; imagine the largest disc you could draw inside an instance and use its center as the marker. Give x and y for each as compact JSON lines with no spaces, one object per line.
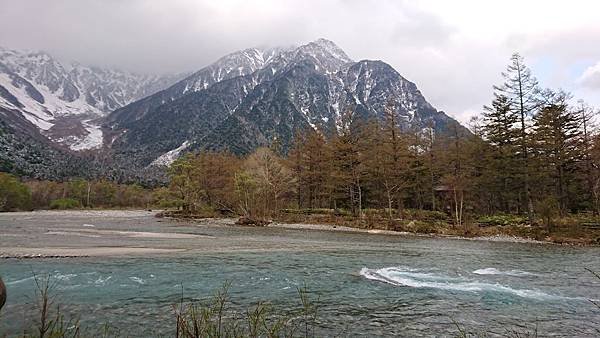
{"x":73,"y":194}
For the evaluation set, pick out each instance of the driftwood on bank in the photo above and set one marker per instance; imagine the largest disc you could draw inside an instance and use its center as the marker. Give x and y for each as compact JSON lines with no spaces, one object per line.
{"x":186,"y":214}
{"x":250,"y":221}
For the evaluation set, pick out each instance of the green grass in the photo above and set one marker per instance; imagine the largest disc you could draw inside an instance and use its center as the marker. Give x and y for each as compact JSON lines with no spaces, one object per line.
{"x":502,"y":220}
{"x":65,"y":203}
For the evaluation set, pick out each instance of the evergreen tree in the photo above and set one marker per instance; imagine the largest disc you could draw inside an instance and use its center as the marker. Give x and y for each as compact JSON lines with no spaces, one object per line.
{"x":557,"y":145}
{"x":348,"y":169}
{"x":500,"y":129}
{"x":521,"y":89}
{"x":586,"y":115}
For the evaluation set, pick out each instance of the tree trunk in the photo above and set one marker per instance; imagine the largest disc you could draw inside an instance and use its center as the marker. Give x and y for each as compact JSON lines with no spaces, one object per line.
{"x":89,"y":189}
{"x":456,"y":215}
{"x":360,"y":214}
{"x":525,"y":150}
{"x":432,"y":176}
{"x":389,"y":197}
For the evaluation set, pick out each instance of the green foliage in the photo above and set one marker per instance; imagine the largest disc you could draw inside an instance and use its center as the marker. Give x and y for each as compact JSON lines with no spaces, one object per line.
{"x":89,"y":194}
{"x":424,"y":215}
{"x":202,"y":180}
{"x":547,"y":209}
{"x":165,"y":198}
{"x":502,"y":220}
{"x":14,"y":195}
{"x":65,"y":204}
{"x":78,"y":189}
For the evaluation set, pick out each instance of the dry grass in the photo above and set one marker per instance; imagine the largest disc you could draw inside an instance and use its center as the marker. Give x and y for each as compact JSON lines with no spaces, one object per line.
{"x":214,"y":319}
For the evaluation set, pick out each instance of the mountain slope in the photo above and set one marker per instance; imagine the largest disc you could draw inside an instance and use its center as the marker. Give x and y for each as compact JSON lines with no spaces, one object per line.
{"x":65,"y":101}
{"x":255,"y":100}
{"x":25,"y":152}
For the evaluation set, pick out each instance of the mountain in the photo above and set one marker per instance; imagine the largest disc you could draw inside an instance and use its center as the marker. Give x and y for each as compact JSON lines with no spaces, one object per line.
{"x":252,"y":97}
{"x":63,"y":102}
{"x":61,"y":119}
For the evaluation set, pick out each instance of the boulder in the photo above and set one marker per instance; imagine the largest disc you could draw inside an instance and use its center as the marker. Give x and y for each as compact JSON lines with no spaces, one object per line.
{"x":2,"y":294}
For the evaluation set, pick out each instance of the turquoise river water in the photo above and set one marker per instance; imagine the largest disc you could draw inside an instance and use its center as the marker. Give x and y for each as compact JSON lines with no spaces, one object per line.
{"x":366,"y":285}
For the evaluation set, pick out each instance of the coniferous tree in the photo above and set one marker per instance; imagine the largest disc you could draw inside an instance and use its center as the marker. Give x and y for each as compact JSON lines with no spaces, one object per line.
{"x":419,"y":174}
{"x":500,"y":129}
{"x":310,"y":160}
{"x":348,"y":170}
{"x":557,"y":145}
{"x":389,"y":163}
{"x":521,"y":89}
{"x":479,"y":160}
{"x":431,"y":164}
{"x":595,"y":160}
{"x":586,"y":116}
{"x":456,"y":178}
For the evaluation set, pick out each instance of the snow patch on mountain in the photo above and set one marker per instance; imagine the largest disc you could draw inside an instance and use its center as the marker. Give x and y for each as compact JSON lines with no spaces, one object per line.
{"x":64,"y":100}
{"x":169,"y":157}
{"x":93,"y":140}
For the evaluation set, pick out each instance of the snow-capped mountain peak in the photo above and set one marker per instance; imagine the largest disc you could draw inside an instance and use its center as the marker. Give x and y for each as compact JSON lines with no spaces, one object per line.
{"x":64,"y":100}
{"x":249,"y":98}
{"x":323,"y":49}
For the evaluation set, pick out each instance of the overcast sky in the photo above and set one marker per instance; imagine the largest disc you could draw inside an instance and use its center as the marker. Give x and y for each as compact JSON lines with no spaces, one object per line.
{"x":453,"y":50}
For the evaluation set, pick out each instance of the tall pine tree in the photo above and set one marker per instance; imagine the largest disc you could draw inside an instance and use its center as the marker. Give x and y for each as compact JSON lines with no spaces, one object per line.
{"x":557,"y":145}
{"x":521,"y":89}
{"x":500,"y":129}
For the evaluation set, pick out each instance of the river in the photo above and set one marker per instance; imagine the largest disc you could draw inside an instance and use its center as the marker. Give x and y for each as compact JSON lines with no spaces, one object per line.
{"x":363,"y":284}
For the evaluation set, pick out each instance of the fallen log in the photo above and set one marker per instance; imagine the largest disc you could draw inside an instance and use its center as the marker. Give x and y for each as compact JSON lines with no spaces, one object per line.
{"x":249,"y":221}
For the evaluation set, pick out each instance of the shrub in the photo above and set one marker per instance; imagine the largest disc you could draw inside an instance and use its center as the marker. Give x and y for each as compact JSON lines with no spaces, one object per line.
{"x":65,"y":203}
{"x":424,"y":215}
{"x":501,"y":220}
{"x":14,"y":195}
{"x":548,"y":209}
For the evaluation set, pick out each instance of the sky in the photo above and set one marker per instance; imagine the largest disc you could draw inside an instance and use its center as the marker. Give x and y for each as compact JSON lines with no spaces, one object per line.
{"x":453,"y":50}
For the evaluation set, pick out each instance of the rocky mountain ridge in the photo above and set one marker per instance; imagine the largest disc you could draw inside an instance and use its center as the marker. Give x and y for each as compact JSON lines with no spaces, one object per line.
{"x":246,"y":100}
{"x":65,"y":101}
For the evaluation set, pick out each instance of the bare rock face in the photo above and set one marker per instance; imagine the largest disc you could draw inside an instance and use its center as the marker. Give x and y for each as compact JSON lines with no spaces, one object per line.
{"x":2,"y":294}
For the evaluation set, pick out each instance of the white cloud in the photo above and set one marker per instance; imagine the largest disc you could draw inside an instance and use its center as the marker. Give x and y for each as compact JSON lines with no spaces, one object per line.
{"x":591,"y":77}
{"x":453,"y":50}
